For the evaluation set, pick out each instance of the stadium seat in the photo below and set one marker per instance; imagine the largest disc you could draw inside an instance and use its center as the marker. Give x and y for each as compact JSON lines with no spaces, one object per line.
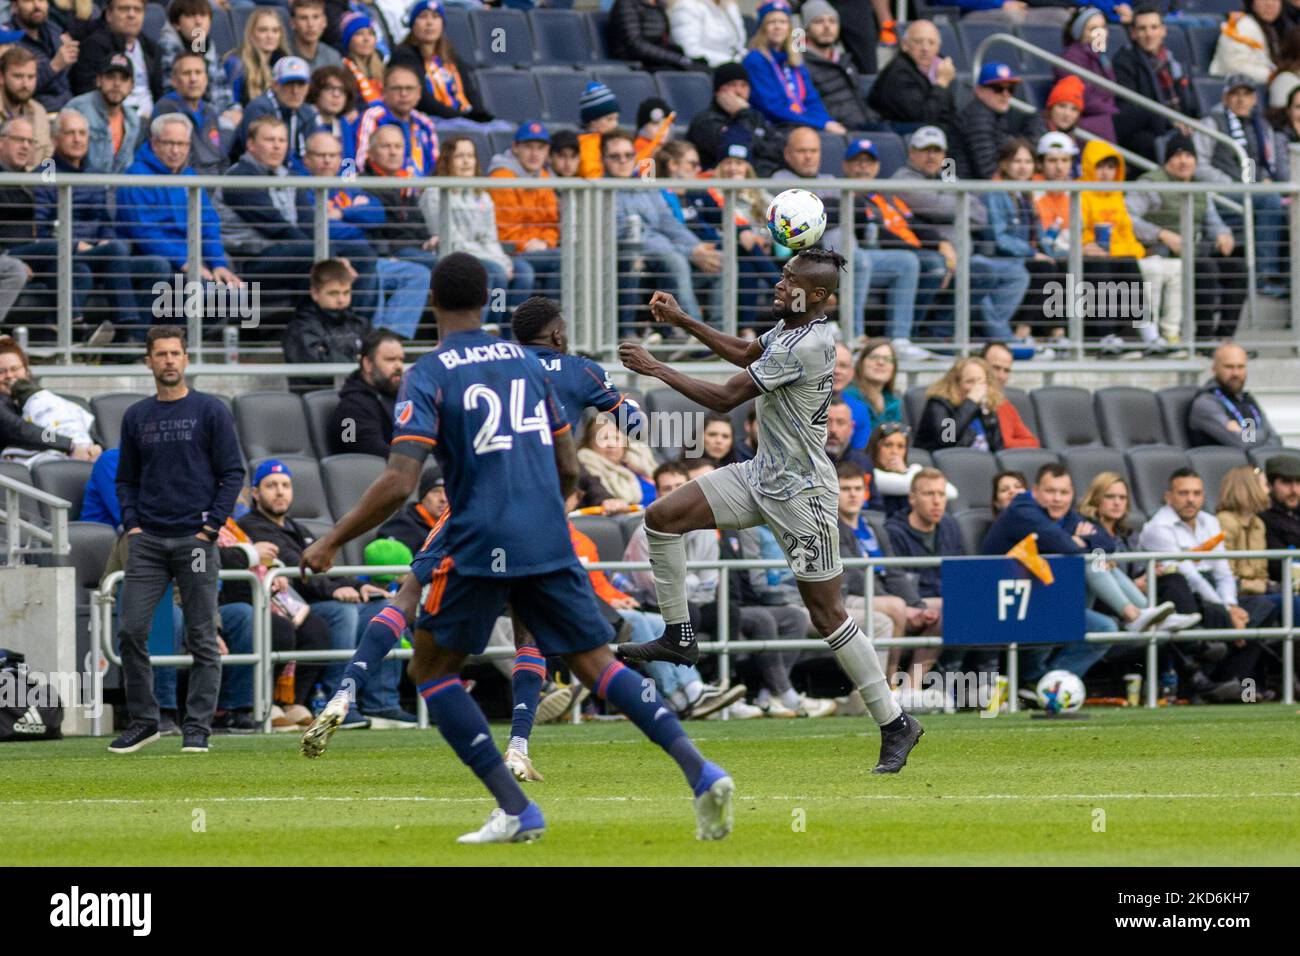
{"x":833,"y":145}
{"x":865,"y":83}
{"x":951,"y":45}
{"x":346,"y":478}
{"x":687,"y":93}
{"x":560,"y":37}
{"x":597,"y":20}
{"x":510,"y":95}
{"x":914,"y":404}
{"x":974,"y":524}
{"x":223,"y":35}
{"x":67,"y":479}
{"x":504,"y":39}
{"x":919,"y":456}
{"x":1178,"y":45}
{"x":316,"y":529}
{"x":109,"y":410}
{"x":460,"y":31}
{"x":971,"y":470}
{"x":1209,"y":90}
{"x":630,"y":88}
{"x":684,"y":420}
{"x":1260,"y":456}
{"x":605,"y":532}
{"x":893,"y":152}
{"x":1202,"y":40}
{"x":1116,"y":40}
{"x":1129,"y":416}
{"x":309,"y":499}
{"x":502,"y":139}
{"x":1045,"y":38}
{"x":28,"y":509}
{"x":1065,"y":418}
{"x":1024,"y":405}
{"x":1027,"y":461}
{"x":319,"y":407}
{"x":155,"y":18}
{"x":560,"y":91}
{"x":972,"y":34}
{"x":1150,"y":467}
{"x":1213,"y":462}
{"x":1085,"y":464}
{"x":271,"y":424}
{"x":628,"y":525}
{"x":91,"y":544}
{"x":1175,"y":403}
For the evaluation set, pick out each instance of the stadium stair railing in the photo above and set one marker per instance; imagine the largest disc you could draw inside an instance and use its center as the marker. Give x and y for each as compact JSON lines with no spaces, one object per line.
{"x":55,"y":537}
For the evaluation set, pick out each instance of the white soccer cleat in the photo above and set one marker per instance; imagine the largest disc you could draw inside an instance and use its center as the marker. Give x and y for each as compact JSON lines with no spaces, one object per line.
{"x":501,"y":827}
{"x":714,"y":813}
{"x":553,"y":704}
{"x":318,"y":735}
{"x":519,"y":765}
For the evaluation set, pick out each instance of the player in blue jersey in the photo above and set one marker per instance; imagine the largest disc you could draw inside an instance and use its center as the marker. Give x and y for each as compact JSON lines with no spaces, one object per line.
{"x":485,"y":409}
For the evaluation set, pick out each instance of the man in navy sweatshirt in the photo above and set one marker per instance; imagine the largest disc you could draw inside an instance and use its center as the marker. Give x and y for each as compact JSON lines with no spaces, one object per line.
{"x":177,"y":479}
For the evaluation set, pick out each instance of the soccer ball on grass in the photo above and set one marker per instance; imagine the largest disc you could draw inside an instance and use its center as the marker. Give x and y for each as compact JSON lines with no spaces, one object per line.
{"x":1060,"y":692}
{"x":796,"y":219}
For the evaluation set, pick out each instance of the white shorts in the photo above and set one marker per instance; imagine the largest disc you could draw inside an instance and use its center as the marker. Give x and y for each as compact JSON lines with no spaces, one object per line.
{"x":806,"y":526}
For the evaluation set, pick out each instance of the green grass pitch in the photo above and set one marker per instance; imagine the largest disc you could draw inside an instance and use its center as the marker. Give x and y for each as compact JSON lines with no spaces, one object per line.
{"x":1189,"y":786}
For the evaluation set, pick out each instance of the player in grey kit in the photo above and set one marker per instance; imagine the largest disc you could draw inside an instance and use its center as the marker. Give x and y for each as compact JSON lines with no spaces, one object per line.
{"x":790,"y":484}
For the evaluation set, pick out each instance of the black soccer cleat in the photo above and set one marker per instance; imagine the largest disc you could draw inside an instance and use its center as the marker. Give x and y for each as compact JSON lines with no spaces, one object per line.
{"x":894,"y":747}
{"x":677,"y":646}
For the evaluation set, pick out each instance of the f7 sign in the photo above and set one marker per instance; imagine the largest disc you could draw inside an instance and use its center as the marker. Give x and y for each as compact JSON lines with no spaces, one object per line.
{"x":998,"y":601}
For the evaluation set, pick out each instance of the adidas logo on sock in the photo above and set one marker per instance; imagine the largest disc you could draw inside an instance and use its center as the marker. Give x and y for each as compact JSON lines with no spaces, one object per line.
{"x":30,"y":722}
{"x":362,"y":665}
{"x":479,"y":739}
{"x":661,"y":712}
{"x":521,"y":706}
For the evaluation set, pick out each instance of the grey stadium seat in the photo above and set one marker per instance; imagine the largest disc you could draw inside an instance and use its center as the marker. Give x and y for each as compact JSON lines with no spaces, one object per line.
{"x":974,"y":525}
{"x":1085,"y":464}
{"x":561,"y":90}
{"x":67,"y":479}
{"x":1129,"y":417}
{"x":460,"y":31}
{"x":689,"y":93}
{"x":606,"y":534}
{"x":1027,"y":461}
{"x":309,"y":499}
{"x":560,"y":36}
{"x":1025,"y":406}
{"x":971,"y":470}
{"x":628,"y":525}
{"x":504,"y":39}
{"x":1260,"y":456}
{"x":109,"y":411}
{"x":510,"y":95}
{"x":1213,"y":462}
{"x":1175,"y":403}
{"x":91,"y":544}
{"x":272,"y":425}
{"x":914,"y":404}
{"x":18,"y":472}
{"x":346,"y":478}
{"x":1150,"y":467}
{"x":319,"y":408}
{"x":919,"y":456}
{"x":1065,"y":418}
{"x":630,"y":88}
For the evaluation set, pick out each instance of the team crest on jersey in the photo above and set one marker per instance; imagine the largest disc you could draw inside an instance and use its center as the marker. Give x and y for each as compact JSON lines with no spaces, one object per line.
{"x":402,"y":413}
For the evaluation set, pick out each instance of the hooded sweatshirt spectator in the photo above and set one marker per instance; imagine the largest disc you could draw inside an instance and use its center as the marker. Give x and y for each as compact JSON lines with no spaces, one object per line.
{"x":363,"y":418}
{"x":525,"y":215}
{"x":189,"y":78}
{"x":1085,"y":46}
{"x":324,"y":328}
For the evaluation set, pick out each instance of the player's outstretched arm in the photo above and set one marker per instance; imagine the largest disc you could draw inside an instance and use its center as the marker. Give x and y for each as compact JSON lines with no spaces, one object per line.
{"x":730,"y":348}
{"x":719,"y":398}
{"x":566,"y":462}
{"x":384,"y":496}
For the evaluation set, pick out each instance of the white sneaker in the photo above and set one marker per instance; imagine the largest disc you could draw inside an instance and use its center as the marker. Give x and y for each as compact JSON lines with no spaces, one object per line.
{"x":907,"y":352}
{"x":553,"y":704}
{"x":816,"y":707}
{"x":775,"y":708}
{"x":713,"y":699}
{"x":1182,"y":622}
{"x":318,"y":735}
{"x":1150,"y":617}
{"x":738,"y":711}
{"x":501,"y":827}
{"x":519,"y":765}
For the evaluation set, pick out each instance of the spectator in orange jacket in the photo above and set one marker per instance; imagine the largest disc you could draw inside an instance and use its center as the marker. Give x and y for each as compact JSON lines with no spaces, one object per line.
{"x":529,"y":218}
{"x":1015,"y":433}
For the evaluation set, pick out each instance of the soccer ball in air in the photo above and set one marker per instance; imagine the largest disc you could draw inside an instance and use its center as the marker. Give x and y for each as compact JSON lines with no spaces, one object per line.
{"x":1060,"y":692}
{"x":796,"y":219}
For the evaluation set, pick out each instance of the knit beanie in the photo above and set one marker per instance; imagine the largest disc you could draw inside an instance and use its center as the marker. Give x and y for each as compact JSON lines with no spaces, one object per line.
{"x":597,"y":100}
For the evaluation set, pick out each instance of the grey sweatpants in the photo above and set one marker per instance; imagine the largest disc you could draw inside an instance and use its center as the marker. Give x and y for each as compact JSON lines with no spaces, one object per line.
{"x":13,"y":276}
{"x":151,"y":564}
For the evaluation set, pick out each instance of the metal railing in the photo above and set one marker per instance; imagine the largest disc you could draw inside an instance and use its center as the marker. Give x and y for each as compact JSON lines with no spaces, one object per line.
{"x":590,"y":247}
{"x":16,"y":526}
{"x":264,"y":659}
{"x":1151,"y":106}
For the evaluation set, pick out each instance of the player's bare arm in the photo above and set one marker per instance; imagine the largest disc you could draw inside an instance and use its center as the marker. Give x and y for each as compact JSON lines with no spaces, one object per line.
{"x":723,"y":397}
{"x":384,"y":496}
{"x":566,"y":462}
{"x":730,"y":348}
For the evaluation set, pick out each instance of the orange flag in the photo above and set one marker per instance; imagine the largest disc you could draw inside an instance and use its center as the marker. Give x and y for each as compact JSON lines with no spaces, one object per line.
{"x":1211,"y":544}
{"x":1026,"y":552}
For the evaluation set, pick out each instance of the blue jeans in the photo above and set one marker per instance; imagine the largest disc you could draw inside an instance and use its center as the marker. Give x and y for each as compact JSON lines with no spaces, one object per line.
{"x":380,"y":693}
{"x":546,"y":271}
{"x":996,"y":288}
{"x":674,"y":272}
{"x":237,"y":680}
{"x":1075,"y":658}
{"x":899,"y":272}
{"x":401,"y":292}
{"x":342,"y":620}
{"x":504,"y":294}
{"x":668,"y":678}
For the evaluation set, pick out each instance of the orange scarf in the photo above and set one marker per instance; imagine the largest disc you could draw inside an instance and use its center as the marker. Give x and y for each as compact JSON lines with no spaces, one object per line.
{"x":717,"y":197}
{"x":895,"y":219}
{"x":1230,"y":30}
{"x":445,"y":84}
{"x":372,"y":91}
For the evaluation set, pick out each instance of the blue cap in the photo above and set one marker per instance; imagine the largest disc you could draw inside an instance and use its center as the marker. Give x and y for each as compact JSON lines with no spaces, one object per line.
{"x":532,"y":132}
{"x":272,"y":466}
{"x":859,"y":146}
{"x":998,"y":73}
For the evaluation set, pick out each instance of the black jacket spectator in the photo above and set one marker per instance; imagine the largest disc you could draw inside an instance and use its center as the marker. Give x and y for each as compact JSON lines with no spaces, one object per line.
{"x":319,"y":335}
{"x":1281,"y":530}
{"x":766,"y":143}
{"x":1137,"y":128}
{"x":907,"y":542}
{"x":932,"y":432}
{"x":292,"y":540}
{"x":52,"y":88}
{"x":837,"y":85}
{"x":403,"y":226}
{"x":100,"y":44}
{"x":17,"y":215}
{"x":410,"y":526}
{"x":255,"y":219}
{"x":23,"y":434}
{"x":978,"y":132}
{"x":903,"y":94}
{"x":639,"y":30}
{"x":369,"y":413}
{"x":1025,"y":516}
{"x":899,"y":582}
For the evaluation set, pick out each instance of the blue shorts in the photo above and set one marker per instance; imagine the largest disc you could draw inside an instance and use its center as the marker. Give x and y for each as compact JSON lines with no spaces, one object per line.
{"x":426,"y":561}
{"x":558,"y":608}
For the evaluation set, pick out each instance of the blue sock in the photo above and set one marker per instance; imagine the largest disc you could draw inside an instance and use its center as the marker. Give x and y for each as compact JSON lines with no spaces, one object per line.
{"x":380,"y":636}
{"x":466,"y":729}
{"x":639,"y":699}
{"x":526,"y":681}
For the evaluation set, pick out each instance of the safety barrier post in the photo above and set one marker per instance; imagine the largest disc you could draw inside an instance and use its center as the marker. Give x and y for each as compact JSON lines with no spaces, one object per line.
{"x":194,"y":273}
{"x":1074,"y":274}
{"x":568,"y":226}
{"x":321,"y":224}
{"x":1153,"y":646}
{"x":1188,"y":228}
{"x":724,"y":630}
{"x":730,"y":253}
{"x":961,"y":284}
{"x":848,"y":248}
{"x":1288,"y":642}
{"x":63,"y":269}
{"x":1013,"y":678}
